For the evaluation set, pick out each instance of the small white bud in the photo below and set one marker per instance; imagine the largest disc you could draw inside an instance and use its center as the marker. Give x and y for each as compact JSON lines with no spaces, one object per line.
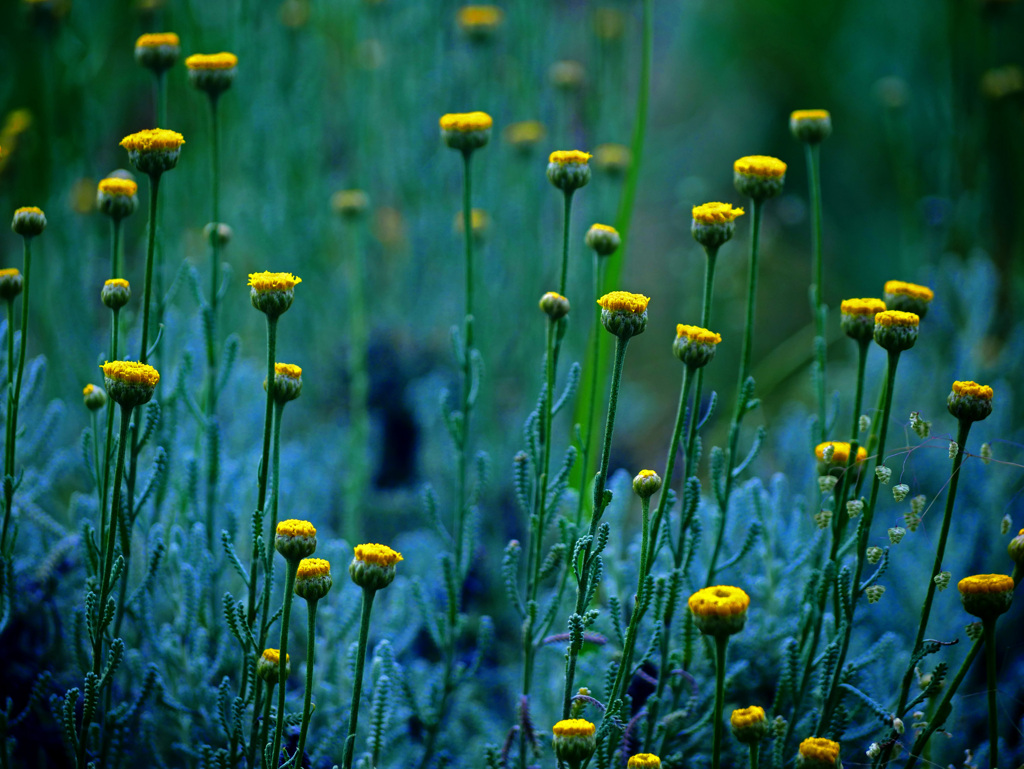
{"x":826,"y":483}
{"x":897,"y":724}
{"x":864,"y":423}
{"x":899,"y":491}
{"x":954,"y":449}
{"x":883,"y":473}
{"x":986,"y":453}
{"x":942,"y":580}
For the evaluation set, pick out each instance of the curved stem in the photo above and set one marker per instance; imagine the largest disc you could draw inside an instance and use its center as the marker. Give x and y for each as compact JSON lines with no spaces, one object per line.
{"x":817,"y":287}
{"x":286,"y":613}
{"x":310,"y":651}
{"x":721,"y":641}
{"x":357,"y":686}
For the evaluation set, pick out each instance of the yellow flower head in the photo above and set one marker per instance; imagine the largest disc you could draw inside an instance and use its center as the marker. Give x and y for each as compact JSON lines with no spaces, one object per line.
{"x":295,"y":528}
{"x":313,"y":567}
{"x":87,"y":390}
{"x":980,"y":584}
{"x":840,"y":452}
{"x":29,"y":210}
{"x":604,"y":228}
{"x":273,"y":656}
{"x":567,"y":157}
{"x":222,"y":60}
{"x":478,"y":17}
{"x":524,"y":133}
{"x":350,"y":203}
{"x":273,"y":281}
{"x":716,"y":213}
{"x":380,"y":555}
{"x":761,"y":166}
{"x":719,"y":601}
{"x":573,"y":727}
{"x":644,"y":761}
{"x":613,"y":158}
{"x":466,"y":121}
{"x":809,"y":114}
{"x":973,"y":389}
{"x":913,"y":290}
{"x":897,"y":318}
{"x":131,"y":372}
{"x":742,"y":718}
{"x":697,"y":334}
{"x":289,"y":370}
{"x":152,"y":139}
{"x":819,"y":749}
{"x":155,"y":39}
{"x":119,"y":282}
{"x":116,"y":186}
{"x":623,"y":301}
{"x":9,"y":272}
{"x":869,"y":307}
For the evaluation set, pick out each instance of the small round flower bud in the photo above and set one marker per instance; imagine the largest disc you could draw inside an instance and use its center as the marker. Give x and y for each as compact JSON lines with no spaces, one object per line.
{"x":883,"y":473}
{"x":874,"y":554}
{"x":986,"y":596}
{"x":1016,"y":549}
{"x":899,"y":491}
{"x":479,"y":23}
{"x":573,"y":741}
{"x":524,"y":135}
{"x":823,"y":518}
{"x":714,"y":223}
{"x":908,"y":297}
{"x":154,"y":150}
{"x":466,"y":131}
{"x":612,"y":159}
{"x":643,"y":761}
{"x":864,"y":422}
{"x":158,"y":52}
{"x":287,"y":382}
{"x":11,"y":283}
{"x":624,"y":314}
{"x":212,"y":72}
{"x":854,"y":507}
{"x":129,"y":383}
{"x":268,"y":666}
{"x":826,"y":483}
{"x":942,"y":580}
{"x":115,"y":293}
{"x":94,"y":397}
{"x":555,"y":305}
{"x":569,"y":169}
{"x":719,"y":610}
{"x":117,"y":197}
{"x":695,"y":346}
{"x":812,"y":126}
{"x":758,"y":176}
{"x":895,"y":330}
{"x":313,"y":579}
{"x":350,"y":204}
{"x":29,"y":221}
{"x":373,"y":567}
{"x":646,"y":484}
{"x":749,"y":725}
{"x":609,"y":24}
{"x":818,"y":753}
{"x":295,"y":539}
{"x":896,"y":534}
{"x":272,"y":293}
{"x":970,"y":401}
{"x":858,"y":317}
{"x":222,"y":232}
{"x":602,"y":239}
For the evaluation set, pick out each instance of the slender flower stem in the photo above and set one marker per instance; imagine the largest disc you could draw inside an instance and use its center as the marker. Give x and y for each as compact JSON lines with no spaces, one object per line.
{"x":537,"y":536}
{"x":275,"y":475}
{"x":154,"y":189}
{"x":741,"y":401}
{"x":161,"y":100}
{"x":359,"y":379}
{"x":989,"y":625}
{"x":753,"y":755}
{"x":291,"y":568}
{"x":115,"y":248}
{"x":670,"y":464}
{"x":564,"y":275}
{"x":595,"y":351}
{"x":583,"y":586}
{"x":115,"y":507}
{"x":357,"y":686}
{"x":115,"y":326}
{"x":264,"y":730}
{"x":467,"y":364}
{"x":310,"y":651}
{"x":210,"y":413}
{"x":10,"y":343}
{"x":622,"y":674}
{"x":817,"y":287}
{"x":721,"y":641}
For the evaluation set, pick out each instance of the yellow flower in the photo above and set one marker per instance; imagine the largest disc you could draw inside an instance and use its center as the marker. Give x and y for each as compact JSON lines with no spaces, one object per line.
{"x":273,"y":281}
{"x":87,"y":390}
{"x":809,"y":114}
{"x":472,"y":18}
{"x":466,"y":121}
{"x":604,"y":228}
{"x":131,"y":372}
{"x":554,"y":305}
{"x":295,"y":528}
{"x":154,"y":39}
{"x":9,"y":272}
{"x":119,"y":282}
{"x":973,"y":389}
{"x":897,"y":318}
{"x":313,"y":567}
{"x":573,"y":727}
{"x":604,"y":240}
{"x":697,"y":334}
{"x":273,"y":656}
{"x":761,"y":166}
{"x":381,"y":555}
{"x":612,"y":158}
{"x":295,"y":539}
{"x":716,"y":213}
{"x":222,"y":60}
{"x":810,"y":125}
{"x":644,"y":761}
{"x":350,"y":203}
{"x":840,"y":452}
{"x":623,"y":301}
{"x":28,"y":210}
{"x":741,"y":718}
{"x":820,"y":750}
{"x":268,"y":666}
{"x":152,"y":139}
{"x":524,"y":134}
{"x":985,"y":583}
{"x":862,"y":307}
{"x":116,"y":186}
{"x":289,"y":370}
{"x":913,"y":290}
{"x":565,"y":157}
{"x":719,"y":601}
{"x":986,"y":595}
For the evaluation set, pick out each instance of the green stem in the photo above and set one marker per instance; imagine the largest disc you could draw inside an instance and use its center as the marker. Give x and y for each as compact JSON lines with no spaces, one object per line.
{"x":154,"y":188}
{"x":670,"y":464}
{"x":565,"y":242}
{"x":275,"y":475}
{"x":115,"y":508}
{"x":115,"y":248}
{"x":10,"y":342}
{"x":756,"y":207}
{"x":105,"y":481}
{"x":308,"y":706}
{"x":467,"y":363}
{"x":721,"y":641}
{"x":990,"y":674}
{"x":161,"y":100}
{"x":817,"y":288}
{"x":286,"y":613}
{"x":357,"y":686}
{"x":622,"y":674}
{"x":359,"y":420}
{"x":264,"y":729}
{"x":753,"y":755}
{"x":212,"y":463}
{"x":599,"y":485}
{"x":595,"y":352}
{"x":537,"y":536}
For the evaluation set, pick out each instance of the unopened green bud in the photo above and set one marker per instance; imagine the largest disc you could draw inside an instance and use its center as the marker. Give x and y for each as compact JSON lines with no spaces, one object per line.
{"x":569,"y":169}
{"x":29,"y":221}
{"x":646,"y":484}
{"x":554,"y":305}
{"x":94,"y":397}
